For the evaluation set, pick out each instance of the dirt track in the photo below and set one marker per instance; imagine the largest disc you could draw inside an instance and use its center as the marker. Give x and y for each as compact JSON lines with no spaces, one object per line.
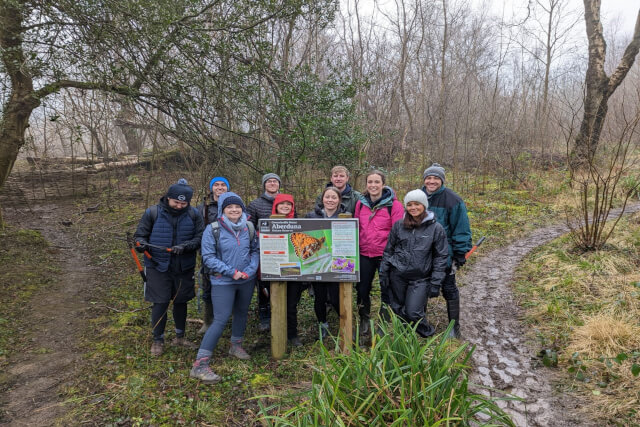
{"x":490,"y":320}
{"x":503,"y":359}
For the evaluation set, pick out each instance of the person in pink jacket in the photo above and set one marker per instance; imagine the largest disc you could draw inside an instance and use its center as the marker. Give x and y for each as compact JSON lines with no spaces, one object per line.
{"x":377,"y":210}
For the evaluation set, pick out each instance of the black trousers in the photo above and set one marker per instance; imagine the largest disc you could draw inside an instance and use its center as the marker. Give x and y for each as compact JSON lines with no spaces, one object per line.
{"x":408,"y":300}
{"x":264,"y":304}
{"x":368,"y":268}
{"x":325,"y":292}
{"x":294,"y":293}
{"x":449,"y":287}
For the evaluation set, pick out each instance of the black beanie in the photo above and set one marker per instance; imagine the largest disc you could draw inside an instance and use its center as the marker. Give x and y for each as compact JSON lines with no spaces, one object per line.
{"x":180,"y":191}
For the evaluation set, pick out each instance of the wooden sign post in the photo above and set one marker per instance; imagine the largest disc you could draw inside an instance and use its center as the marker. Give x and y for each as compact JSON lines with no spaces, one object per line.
{"x":278,"y":319}
{"x":346,"y":311}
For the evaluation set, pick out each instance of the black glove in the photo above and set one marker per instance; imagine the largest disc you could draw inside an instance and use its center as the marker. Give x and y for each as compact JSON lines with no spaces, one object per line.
{"x":459,"y":259}
{"x":434,"y":291}
{"x":384,"y":280}
{"x":142,"y":245}
{"x":177,"y":249}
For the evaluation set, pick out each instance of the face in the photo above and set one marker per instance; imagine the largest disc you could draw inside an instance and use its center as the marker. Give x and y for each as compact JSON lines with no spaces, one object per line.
{"x":284,"y":208}
{"x":272,"y":185}
{"x":432,"y":183}
{"x":218,"y":188}
{"x":177,"y":204}
{"x":330,"y":200}
{"x":233,"y":212}
{"x":339,"y":180}
{"x":415,"y":209}
{"x":374,"y":185}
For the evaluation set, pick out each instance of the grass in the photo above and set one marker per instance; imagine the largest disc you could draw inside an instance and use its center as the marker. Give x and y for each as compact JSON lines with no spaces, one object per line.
{"x":121,"y":383}
{"x":402,"y":380}
{"x":584,"y":308}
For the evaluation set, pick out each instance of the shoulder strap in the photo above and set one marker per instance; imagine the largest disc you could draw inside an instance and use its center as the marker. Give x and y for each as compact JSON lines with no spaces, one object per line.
{"x":252,"y":230}
{"x":153,"y":210}
{"x":390,"y":208}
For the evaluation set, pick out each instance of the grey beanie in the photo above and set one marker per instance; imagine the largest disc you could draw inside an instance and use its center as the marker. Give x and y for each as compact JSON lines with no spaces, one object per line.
{"x":434,"y":170}
{"x":416,"y":196}
{"x":267,"y":176}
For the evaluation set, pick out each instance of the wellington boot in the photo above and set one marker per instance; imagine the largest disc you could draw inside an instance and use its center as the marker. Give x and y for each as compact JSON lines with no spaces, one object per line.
{"x":453,"y":311}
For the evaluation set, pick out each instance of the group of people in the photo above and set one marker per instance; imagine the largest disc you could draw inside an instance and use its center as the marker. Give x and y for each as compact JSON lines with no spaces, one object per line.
{"x":415,"y":247}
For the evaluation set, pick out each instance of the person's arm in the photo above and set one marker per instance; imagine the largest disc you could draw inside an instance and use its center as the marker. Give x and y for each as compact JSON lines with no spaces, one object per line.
{"x":193,"y":244}
{"x":254,"y":253}
{"x":440,"y":256}
{"x":145,"y":226}
{"x":461,"y":242}
{"x":209,"y":258}
{"x":389,"y":250}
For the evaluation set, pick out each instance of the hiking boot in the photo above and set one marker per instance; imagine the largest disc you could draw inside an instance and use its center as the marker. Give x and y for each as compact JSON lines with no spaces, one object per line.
{"x":207,"y":317}
{"x":239,"y":352}
{"x":365,"y":327}
{"x":157,"y":348}
{"x":295,"y":342}
{"x":203,"y":372}
{"x":183,"y":342}
{"x":324,"y":330}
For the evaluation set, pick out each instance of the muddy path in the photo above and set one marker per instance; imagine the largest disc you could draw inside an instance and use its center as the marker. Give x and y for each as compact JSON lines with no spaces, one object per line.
{"x":55,"y":320}
{"x":503,"y":359}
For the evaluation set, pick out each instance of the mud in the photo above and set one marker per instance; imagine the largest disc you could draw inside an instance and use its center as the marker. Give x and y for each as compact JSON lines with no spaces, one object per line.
{"x":503,"y":359}
{"x":55,"y":321}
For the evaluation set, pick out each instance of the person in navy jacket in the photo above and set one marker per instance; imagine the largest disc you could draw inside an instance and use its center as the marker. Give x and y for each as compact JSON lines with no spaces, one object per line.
{"x":170,"y":231}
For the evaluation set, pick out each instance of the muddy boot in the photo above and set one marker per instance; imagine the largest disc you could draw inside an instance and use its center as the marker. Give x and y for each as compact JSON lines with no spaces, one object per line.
{"x":265,"y":319}
{"x":453,"y":311}
{"x":157,"y":348}
{"x":236,"y":350}
{"x":203,"y":372}
{"x":207,"y":317}
{"x":183,"y":342}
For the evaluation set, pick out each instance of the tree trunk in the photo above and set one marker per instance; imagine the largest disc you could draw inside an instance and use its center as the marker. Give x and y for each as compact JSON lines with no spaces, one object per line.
{"x":21,"y":102}
{"x":600,"y":87}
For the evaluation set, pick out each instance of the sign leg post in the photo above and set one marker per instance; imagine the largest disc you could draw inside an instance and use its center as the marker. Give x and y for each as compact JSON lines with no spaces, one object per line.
{"x":346,"y":316}
{"x":278,"y":319}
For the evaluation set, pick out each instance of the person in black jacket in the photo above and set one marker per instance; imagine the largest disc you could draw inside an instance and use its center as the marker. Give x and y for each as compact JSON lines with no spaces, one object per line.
{"x":324,"y":293}
{"x":415,"y":261}
{"x":258,"y":209}
{"x":340,"y":180}
{"x":209,"y":212}
{"x":171,"y":232}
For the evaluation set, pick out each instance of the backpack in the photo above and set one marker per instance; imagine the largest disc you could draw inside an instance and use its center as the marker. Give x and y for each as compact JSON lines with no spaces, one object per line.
{"x":356,"y":212}
{"x":153,"y":210}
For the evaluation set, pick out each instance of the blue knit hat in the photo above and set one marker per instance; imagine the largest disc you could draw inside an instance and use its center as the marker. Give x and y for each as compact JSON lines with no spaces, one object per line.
{"x":221,"y":179}
{"x":180,"y":191}
{"x":229,"y":198}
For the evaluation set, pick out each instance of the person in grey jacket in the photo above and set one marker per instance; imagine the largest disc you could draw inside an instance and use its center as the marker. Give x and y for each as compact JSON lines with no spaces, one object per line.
{"x":233,"y":262}
{"x":258,"y":209}
{"x":414,"y":261}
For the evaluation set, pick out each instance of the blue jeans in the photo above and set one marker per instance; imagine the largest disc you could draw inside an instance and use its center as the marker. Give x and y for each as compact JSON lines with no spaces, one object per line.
{"x":227,"y":300}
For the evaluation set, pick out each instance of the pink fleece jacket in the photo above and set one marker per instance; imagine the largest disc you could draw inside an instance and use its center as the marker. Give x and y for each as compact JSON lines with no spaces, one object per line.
{"x":375,"y":226}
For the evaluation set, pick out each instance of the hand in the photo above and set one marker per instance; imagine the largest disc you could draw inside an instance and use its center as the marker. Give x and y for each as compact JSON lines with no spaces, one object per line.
{"x":177,"y":249}
{"x":245,"y":276}
{"x":238,"y":275}
{"x":384,"y":281}
{"x":434,"y":291}
{"x":459,"y":259}
{"x":142,"y":245}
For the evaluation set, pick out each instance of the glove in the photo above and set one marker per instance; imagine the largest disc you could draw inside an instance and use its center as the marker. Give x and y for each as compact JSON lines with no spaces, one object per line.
{"x":434,"y":291}
{"x":459,"y":259}
{"x":142,"y":245}
{"x":384,"y":280}
{"x":177,"y":249}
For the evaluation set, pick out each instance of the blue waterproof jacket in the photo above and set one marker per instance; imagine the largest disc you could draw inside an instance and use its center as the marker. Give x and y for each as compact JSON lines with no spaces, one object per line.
{"x":451,"y":213}
{"x":236,"y":251}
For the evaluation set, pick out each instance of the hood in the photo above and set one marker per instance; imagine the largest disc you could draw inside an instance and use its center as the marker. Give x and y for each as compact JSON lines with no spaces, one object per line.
{"x":282,"y":197}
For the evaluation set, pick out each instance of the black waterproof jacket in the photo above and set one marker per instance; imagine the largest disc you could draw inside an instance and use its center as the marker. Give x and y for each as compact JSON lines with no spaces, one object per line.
{"x":260,"y":208}
{"x":417,"y":253}
{"x":208,"y":210}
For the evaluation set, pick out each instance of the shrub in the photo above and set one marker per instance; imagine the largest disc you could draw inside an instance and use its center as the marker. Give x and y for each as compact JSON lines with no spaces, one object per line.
{"x":402,"y":380}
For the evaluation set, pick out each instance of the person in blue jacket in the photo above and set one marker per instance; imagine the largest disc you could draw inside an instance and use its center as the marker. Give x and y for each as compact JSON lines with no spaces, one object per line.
{"x":170,"y":231}
{"x":232,"y":260}
{"x":451,"y":213}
